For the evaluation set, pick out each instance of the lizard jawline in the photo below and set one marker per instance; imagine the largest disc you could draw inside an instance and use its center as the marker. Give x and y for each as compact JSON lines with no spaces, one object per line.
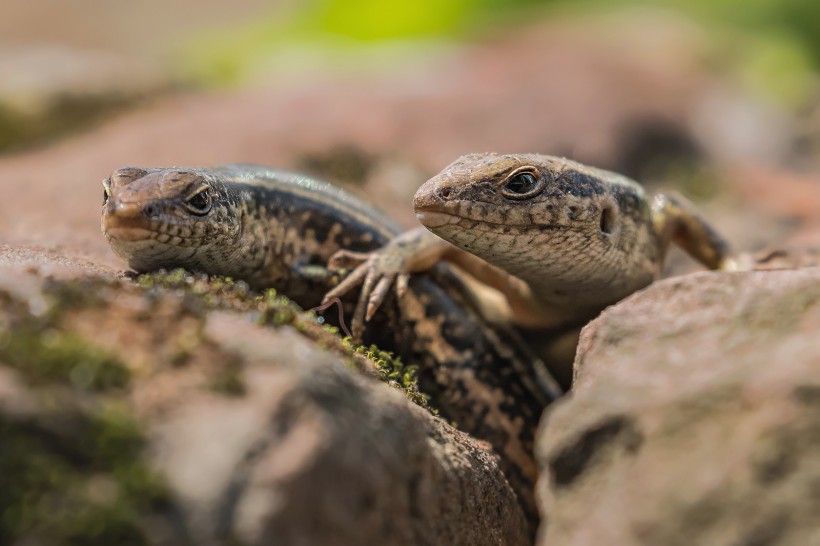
{"x":431,"y":219}
{"x":128,"y":233}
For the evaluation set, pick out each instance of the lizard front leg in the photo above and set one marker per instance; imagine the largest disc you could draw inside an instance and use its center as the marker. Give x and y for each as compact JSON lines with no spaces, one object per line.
{"x":411,"y":252}
{"x":675,"y":219}
{"x":417,"y":251}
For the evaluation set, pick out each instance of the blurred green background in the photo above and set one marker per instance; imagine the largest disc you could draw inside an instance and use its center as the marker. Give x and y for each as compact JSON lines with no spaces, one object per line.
{"x":771,"y":47}
{"x":774,"y":46}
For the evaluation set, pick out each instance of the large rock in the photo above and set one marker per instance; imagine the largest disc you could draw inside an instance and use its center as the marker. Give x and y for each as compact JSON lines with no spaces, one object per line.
{"x":142,"y":416}
{"x":695,"y":418}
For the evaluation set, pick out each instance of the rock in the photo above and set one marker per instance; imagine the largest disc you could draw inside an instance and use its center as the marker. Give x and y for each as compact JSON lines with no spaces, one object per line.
{"x":694,"y":418}
{"x":132,"y":415}
{"x":50,"y":90}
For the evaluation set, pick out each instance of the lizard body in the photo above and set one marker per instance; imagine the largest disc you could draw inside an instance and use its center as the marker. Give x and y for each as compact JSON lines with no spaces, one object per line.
{"x":278,"y":229}
{"x":559,"y":239}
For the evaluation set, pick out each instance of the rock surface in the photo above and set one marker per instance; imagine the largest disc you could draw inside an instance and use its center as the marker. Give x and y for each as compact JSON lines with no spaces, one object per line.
{"x":694,"y":418}
{"x":47,"y":91}
{"x":134,"y":415}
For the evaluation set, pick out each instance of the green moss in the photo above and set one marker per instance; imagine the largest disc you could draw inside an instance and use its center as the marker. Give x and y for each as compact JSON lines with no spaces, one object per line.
{"x":44,"y":354}
{"x":269,"y":308}
{"x":36,"y":344}
{"x":75,"y":294}
{"x":213,"y":291}
{"x":395,"y":373}
{"x":76,"y":478}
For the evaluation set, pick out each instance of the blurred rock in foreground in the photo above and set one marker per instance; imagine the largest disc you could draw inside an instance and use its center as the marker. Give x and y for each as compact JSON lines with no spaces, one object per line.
{"x":695,"y":420}
{"x":144,"y":416}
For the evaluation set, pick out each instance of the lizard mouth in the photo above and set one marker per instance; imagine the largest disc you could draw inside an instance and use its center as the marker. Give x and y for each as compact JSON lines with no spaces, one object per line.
{"x":123,"y":233}
{"x":126,"y":228}
{"x":434,"y":219}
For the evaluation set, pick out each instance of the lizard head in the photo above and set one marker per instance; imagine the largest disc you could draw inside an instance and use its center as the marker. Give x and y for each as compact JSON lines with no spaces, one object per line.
{"x":540,"y":216}
{"x":168,"y":217}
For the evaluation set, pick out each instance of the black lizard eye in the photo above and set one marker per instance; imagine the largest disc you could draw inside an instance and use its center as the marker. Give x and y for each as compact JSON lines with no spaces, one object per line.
{"x":199,"y":203}
{"x":522,"y":185}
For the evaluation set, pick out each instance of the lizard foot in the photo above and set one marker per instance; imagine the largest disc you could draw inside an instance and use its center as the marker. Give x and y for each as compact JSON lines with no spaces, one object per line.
{"x":377,"y":271}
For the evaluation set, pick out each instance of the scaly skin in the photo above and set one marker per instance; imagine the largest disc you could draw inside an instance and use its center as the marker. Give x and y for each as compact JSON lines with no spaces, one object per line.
{"x":559,"y":239}
{"x":277,"y":229}
{"x":581,"y":238}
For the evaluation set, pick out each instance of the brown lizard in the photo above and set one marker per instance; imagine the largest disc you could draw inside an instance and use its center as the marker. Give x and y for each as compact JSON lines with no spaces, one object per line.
{"x":559,"y":239}
{"x":278,"y":229}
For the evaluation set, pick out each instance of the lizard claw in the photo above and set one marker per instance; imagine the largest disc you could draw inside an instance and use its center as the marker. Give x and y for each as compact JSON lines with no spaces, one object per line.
{"x":402,"y":282}
{"x":378,"y":271}
{"x":377,"y":296}
{"x":349,"y":283}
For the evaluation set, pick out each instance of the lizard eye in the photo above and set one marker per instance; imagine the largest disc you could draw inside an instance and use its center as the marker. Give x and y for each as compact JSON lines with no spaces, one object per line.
{"x":199,"y":203}
{"x":105,"y":192}
{"x":522,"y":185}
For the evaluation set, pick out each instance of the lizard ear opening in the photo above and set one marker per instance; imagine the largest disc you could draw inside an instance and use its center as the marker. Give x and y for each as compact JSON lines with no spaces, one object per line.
{"x":106,"y":190}
{"x":607,"y":220}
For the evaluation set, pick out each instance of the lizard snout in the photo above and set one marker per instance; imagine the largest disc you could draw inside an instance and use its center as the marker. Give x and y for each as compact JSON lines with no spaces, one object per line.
{"x":433,"y":194}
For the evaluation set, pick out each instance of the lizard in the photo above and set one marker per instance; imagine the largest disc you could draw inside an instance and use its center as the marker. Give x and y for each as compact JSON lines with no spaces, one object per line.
{"x":274,"y":228}
{"x":559,"y":239}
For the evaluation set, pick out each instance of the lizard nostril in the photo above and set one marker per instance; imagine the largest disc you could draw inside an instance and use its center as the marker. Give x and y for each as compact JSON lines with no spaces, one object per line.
{"x":150,"y":211}
{"x":445,"y":193}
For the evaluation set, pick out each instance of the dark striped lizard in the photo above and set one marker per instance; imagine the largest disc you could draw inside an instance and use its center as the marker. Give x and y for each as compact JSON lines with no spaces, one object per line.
{"x":278,"y":229}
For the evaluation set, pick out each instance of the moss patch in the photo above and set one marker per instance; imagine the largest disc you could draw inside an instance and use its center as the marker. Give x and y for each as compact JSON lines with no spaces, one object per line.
{"x":395,"y":373}
{"x":46,"y":355}
{"x":77,"y":479}
{"x":43,"y":352}
{"x":71,"y":467}
{"x":272,"y":309}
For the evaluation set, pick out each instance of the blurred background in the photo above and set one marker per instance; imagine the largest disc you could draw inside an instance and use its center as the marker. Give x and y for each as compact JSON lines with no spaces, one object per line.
{"x":720,"y":98}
